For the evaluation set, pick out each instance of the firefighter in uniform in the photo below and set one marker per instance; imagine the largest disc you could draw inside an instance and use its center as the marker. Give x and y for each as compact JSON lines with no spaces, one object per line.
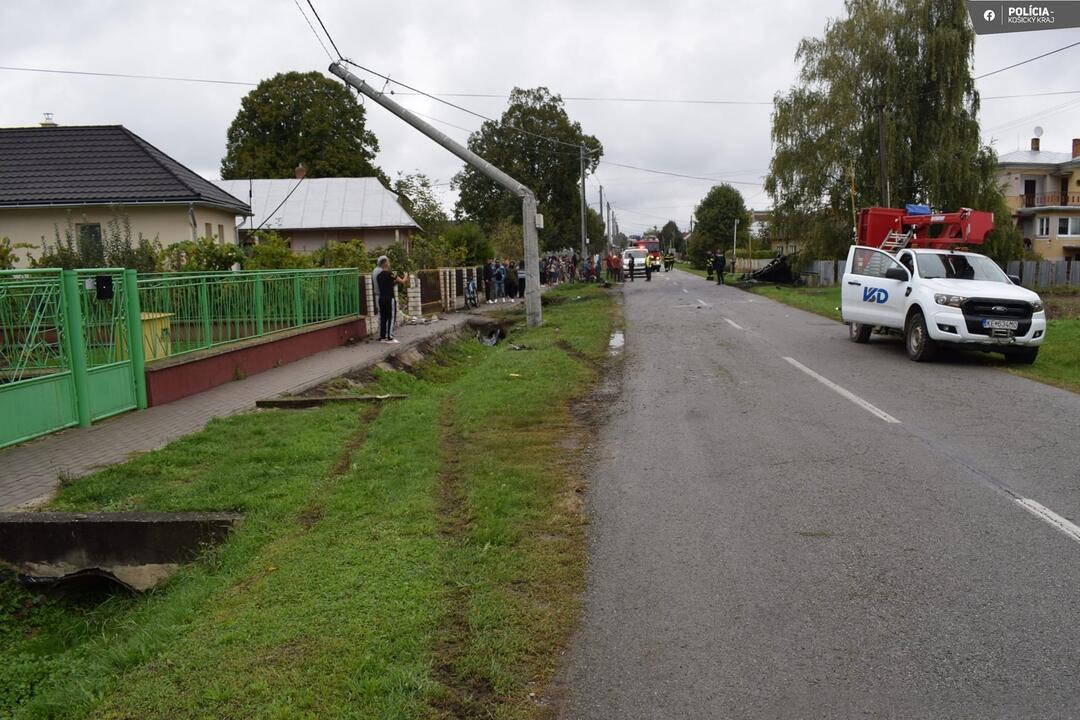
{"x":709,"y":267}
{"x":669,"y":261}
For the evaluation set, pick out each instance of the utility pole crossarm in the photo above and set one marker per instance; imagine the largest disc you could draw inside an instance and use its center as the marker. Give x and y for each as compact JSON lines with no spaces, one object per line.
{"x":528,"y":198}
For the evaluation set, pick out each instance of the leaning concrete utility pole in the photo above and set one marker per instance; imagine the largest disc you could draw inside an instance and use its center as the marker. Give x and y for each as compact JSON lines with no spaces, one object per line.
{"x":528,"y":199}
{"x":584,"y":208}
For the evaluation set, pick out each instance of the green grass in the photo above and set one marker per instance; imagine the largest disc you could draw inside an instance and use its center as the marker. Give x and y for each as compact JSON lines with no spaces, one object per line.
{"x":419,"y":561}
{"x":1059,"y":355}
{"x":820,"y":301}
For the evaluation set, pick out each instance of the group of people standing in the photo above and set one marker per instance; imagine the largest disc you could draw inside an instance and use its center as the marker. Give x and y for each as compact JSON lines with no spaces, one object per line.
{"x":717,"y":263}
{"x":504,"y":280}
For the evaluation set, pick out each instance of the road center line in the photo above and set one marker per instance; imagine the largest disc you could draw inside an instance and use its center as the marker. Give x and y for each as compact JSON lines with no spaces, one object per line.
{"x":702,"y":302}
{"x":1050,"y":517}
{"x":846,"y":393}
{"x":685,"y":290}
{"x":733,"y":324}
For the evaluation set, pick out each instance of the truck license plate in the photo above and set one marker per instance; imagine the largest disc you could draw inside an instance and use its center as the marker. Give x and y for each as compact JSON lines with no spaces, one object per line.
{"x":995,"y":324}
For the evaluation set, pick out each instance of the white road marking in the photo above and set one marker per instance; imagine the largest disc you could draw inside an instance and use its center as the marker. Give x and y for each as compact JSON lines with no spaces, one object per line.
{"x":685,"y":290}
{"x":733,"y":324}
{"x":1049,"y":516}
{"x":702,"y":302}
{"x":846,"y":393}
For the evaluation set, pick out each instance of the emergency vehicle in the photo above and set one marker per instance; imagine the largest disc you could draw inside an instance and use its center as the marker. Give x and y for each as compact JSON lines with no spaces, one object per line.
{"x":908,"y":273}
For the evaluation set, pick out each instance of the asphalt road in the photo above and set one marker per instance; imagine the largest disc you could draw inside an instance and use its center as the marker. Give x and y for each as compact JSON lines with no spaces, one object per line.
{"x":762,"y":545}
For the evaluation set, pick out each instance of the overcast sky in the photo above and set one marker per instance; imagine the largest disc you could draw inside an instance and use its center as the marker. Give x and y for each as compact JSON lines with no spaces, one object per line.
{"x":700,"y":49}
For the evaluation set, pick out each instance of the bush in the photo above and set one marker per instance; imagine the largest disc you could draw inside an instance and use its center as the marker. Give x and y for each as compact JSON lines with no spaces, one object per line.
{"x":272,"y":252}
{"x":202,"y":254}
{"x":350,"y":254}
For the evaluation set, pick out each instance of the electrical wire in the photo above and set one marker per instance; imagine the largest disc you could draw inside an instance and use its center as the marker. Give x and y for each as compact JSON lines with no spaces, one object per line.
{"x":328,"y":37}
{"x":284,"y":200}
{"x":581,"y":98}
{"x":679,"y":175}
{"x":317,"y":37}
{"x":1025,"y":62}
{"x":131,"y":76}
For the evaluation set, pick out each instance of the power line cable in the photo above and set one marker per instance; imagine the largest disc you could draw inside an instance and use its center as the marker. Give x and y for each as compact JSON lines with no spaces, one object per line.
{"x":126,"y":76}
{"x":679,"y":175}
{"x":328,"y":37}
{"x":317,"y":37}
{"x":284,"y":200}
{"x":1025,"y":62}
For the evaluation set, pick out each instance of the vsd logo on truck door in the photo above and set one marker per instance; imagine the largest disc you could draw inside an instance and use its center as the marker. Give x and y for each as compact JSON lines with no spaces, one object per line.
{"x":875,"y":295}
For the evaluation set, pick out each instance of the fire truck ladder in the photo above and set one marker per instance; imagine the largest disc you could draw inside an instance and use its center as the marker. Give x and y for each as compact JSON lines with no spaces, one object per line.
{"x":895,"y":242}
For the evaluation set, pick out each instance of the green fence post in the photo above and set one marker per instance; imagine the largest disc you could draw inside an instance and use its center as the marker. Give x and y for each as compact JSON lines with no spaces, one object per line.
{"x":258,"y":305}
{"x":76,"y":342}
{"x":298,"y":300}
{"x":331,"y":288}
{"x":204,"y":313}
{"x":135,"y":338}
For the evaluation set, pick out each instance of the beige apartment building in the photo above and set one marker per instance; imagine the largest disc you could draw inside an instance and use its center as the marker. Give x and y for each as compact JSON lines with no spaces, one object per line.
{"x":79,"y":178}
{"x":1042,"y":188}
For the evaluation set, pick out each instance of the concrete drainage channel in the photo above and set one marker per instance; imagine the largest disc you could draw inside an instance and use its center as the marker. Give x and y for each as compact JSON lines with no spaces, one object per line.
{"x":135,"y":550}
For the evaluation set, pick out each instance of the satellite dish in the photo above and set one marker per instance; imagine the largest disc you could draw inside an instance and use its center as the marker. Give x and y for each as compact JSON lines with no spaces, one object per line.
{"x":1038,"y":131}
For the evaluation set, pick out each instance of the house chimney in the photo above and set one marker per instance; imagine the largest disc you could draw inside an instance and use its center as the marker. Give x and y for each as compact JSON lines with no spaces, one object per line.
{"x":301,"y":171}
{"x":1076,"y":148}
{"x":1035,"y":144}
{"x":48,"y":121}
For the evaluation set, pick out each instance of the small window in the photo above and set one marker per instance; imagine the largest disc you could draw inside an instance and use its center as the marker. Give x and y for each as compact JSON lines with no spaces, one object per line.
{"x":1074,"y":226}
{"x":1063,"y":226}
{"x":91,"y":248}
{"x":1043,"y":229}
{"x":209,"y":230}
{"x":221,"y":233}
{"x":871,"y":263}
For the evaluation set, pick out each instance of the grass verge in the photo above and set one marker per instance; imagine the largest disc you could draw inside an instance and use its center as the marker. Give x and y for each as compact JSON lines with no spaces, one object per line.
{"x":422,"y":560}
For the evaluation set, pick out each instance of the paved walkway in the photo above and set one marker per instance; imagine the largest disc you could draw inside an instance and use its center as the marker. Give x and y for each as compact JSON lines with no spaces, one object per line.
{"x":31,"y":472}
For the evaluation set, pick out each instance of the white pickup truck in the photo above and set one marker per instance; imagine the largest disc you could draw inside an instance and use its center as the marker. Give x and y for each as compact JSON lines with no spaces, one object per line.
{"x":940,"y":297}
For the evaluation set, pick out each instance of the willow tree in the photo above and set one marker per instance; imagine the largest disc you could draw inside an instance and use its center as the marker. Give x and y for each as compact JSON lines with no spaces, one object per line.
{"x":898,"y":68}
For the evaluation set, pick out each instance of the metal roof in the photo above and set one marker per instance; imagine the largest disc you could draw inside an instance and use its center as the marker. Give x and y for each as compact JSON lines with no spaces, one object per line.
{"x":1034,"y":157}
{"x":321,"y":203}
{"x":95,"y":165}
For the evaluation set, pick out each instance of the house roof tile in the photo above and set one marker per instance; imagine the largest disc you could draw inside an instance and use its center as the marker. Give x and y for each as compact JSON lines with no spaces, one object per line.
{"x":100,"y":164}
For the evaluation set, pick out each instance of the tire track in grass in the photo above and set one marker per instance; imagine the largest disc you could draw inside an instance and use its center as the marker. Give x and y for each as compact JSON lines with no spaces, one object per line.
{"x":466,"y":696}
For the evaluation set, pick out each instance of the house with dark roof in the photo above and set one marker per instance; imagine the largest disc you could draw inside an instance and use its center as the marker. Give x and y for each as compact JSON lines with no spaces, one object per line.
{"x":51,"y":176}
{"x":315,"y":212}
{"x":1042,"y":188}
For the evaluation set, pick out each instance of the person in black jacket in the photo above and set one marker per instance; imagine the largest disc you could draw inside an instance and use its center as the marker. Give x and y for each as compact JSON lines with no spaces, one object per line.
{"x":489,"y":274}
{"x":386,"y":287}
{"x":721,"y":263}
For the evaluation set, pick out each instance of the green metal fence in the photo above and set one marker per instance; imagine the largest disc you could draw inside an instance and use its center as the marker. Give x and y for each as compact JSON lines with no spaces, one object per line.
{"x":194,"y":311}
{"x":74,"y":343}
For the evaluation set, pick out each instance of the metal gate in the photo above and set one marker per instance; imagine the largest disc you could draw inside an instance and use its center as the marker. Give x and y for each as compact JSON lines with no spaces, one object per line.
{"x":65,"y":353}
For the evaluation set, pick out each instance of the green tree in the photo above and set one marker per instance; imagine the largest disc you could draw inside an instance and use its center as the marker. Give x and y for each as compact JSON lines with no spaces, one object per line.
{"x":671,"y":238}
{"x":901,"y":64}
{"x":300,"y":118}
{"x":506,"y":241}
{"x":417,"y":196}
{"x":551,"y":169}
{"x":716,"y":215}
{"x":594,"y":231}
{"x":474,"y":246}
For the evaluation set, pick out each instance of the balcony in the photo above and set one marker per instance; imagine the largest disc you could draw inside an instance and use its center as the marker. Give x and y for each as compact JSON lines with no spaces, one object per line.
{"x":1053,"y":199}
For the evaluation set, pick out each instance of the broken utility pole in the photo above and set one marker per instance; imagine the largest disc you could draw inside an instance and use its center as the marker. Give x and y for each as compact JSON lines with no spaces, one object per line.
{"x":528,"y":199}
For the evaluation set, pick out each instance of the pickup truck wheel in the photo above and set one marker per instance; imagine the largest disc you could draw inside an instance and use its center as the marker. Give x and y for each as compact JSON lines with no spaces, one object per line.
{"x":920,"y":346}
{"x":859,"y":333}
{"x":1025,"y":356}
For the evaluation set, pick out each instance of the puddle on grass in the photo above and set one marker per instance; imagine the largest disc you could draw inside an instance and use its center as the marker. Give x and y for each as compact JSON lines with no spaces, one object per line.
{"x":615,"y":345}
